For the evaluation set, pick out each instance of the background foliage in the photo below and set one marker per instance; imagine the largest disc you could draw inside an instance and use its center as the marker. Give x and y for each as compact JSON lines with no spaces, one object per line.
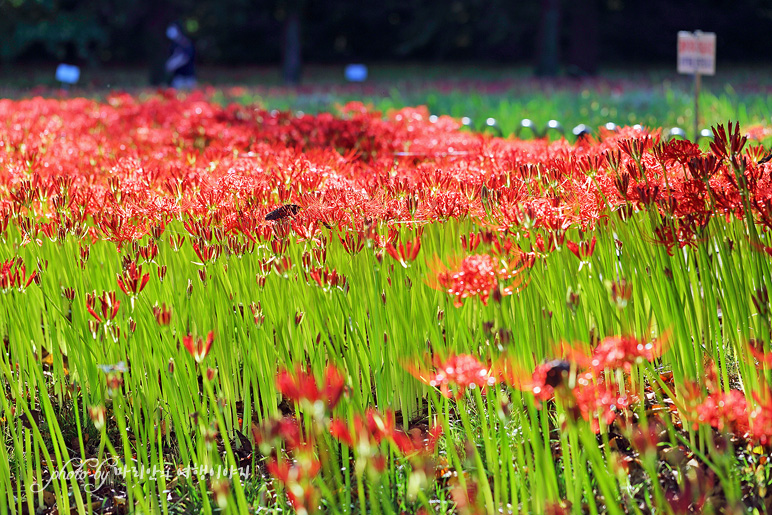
{"x":244,"y":31}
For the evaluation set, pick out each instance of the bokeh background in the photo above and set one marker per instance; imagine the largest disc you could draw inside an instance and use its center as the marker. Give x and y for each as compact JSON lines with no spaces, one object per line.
{"x":552,"y":37}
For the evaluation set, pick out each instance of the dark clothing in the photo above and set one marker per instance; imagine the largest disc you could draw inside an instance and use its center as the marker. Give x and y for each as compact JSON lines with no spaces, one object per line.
{"x":188,"y":69}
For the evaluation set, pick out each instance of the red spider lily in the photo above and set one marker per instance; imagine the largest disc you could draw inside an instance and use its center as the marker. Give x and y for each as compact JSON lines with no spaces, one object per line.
{"x":132,"y":282}
{"x":279,"y":245}
{"x":623,"y":352}
{"x":756,"y":348}
{"x":726,"y":145}
{"x":726,"y":411}
{"x":298,"y":157}
{"x":351,"y":244}
{"x":282,"y":266}
{"x":380,"y":241}
{"x":406,"y":252}
{"x":425,"y":442}
{"x":199,"y":229}
{"x":476,"y":276}
{"x":512,"y":373}
{"x":761,"y":419}
{"x":69,"y":293}
{"x":297,"y":479}
{"x":308,"y":231}
{"x":271,"y":434}
{"x":579,"y":379}
{"x":287,"y":474}
{"x":583,"y":250}
{"x":13,"y":274}
{"x":731,"y":411}
{"x":149,"y":252}
{"x":281,"y":228}
{"x":635,"y":147}
{"x":455,"y":375}
{"x":306,"y":260}
{"x":598,"y":400}
{"x":108,"y":306}
{"x":257,"y":312}
{"x":621,"y":292}
{"x":327,"y":279}
{"x":206,"y":252}
{"x":471,"y":242}
{"x":97,"y":415}
{"x":197,"y":347}
{"x":176,"y":241}
{"x":373,"y":429}
{"x":301,"y":387}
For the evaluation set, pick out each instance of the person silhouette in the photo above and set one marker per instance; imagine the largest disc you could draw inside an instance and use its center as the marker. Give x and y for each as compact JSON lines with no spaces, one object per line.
{"x":181,"y":64}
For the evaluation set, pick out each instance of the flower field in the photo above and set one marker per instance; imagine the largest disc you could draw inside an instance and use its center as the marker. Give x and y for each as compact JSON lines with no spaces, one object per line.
{"x":224,"y":309}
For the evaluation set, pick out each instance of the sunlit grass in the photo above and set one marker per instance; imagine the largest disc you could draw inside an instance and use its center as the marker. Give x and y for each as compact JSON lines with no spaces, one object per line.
{"x":519,"y":327}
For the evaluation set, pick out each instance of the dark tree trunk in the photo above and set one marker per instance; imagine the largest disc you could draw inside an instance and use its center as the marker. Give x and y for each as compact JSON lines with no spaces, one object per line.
{"x":548,"y":44}
{"x":583,"y":46}
{"x":291,"y":55}
{"x":156,"y":45}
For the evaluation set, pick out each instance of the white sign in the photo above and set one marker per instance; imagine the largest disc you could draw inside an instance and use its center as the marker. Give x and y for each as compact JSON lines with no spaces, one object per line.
{"x":697,"y":52}
{"x":67,"y":73}
{"x":356,"y":73}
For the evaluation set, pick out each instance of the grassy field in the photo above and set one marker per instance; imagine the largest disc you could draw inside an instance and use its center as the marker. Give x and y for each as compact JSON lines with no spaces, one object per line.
{"x":216,"y":307}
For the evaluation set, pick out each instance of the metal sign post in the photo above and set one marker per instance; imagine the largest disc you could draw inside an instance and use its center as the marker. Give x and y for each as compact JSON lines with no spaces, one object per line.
{"x":697,"y":56}
{"x":697,"y":84}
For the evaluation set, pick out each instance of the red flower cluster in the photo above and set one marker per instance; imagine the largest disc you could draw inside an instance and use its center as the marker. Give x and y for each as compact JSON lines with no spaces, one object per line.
{"x":301,"y":387}
{"x":240,"y":163}
{"x":726,"y":411}
{"x":272,"y":434}
{"x":598,"y":399}
{"x":478,"y":275}
{"x":327,"y":279}
{"x":298,"y":468}
{"x":730,"y":411}
{"x":405,"y":252}
{"x":456,"y":375}
{"x":623,"y":352}
{"x":297,"y":478}
{"x":583,"y":250}
{"x":366,"y":433}
{"x":13,"y":274}
{"x":580,"y":380}
{"x":131,"y":282}
{"x":108,"y":306}
{"x":369,"y":431}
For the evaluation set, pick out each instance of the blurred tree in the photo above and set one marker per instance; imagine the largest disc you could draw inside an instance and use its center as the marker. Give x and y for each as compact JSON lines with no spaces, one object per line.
{"x":583,"y":42}
{"x":292,"y":45}
{"x":548,"y":46}
{"x":584,"y":32}
{"x":459,"y":29}
{"x":64,"y":30}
